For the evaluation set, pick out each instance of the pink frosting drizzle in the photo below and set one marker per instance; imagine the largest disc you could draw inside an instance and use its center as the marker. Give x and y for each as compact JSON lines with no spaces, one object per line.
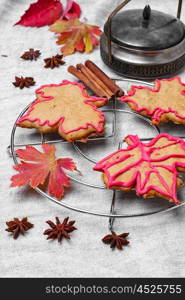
{"x":89,"y":101}
{"x":156,"y":113}
{"x":145,"y":150}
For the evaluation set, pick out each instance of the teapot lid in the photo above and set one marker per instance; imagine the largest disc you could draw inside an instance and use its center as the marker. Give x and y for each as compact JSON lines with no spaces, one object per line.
{"x":146,"y":29}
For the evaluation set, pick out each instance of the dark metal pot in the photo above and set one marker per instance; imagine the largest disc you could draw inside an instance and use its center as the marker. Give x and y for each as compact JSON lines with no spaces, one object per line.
{"x":143,"y":44}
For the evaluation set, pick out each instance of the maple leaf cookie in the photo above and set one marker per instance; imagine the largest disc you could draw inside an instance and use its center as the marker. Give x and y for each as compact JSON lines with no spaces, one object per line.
{"x":66,"y":108}
{"x":151,"y":169}
{"x":166,"y":102}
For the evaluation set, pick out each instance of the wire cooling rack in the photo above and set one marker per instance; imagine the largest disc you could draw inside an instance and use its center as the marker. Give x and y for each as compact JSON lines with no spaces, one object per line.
{"x":115,"y":110}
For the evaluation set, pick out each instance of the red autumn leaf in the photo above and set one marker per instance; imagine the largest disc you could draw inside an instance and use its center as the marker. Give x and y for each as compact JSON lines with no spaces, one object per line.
{"x":152,"y":168}
{"x":76,"y":35}
{"x":72,"y":10}
{"x":35,"y":167}
{"x":41,"y":13}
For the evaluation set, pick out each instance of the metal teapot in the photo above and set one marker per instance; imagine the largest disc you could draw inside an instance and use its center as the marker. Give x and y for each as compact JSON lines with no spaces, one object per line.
{"x":144,"y":44}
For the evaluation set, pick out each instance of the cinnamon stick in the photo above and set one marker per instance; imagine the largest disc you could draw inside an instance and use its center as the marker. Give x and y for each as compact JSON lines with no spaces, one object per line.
{"x":104,"y":78}
{"x":86,"y":81}
{"x":94,"y":79}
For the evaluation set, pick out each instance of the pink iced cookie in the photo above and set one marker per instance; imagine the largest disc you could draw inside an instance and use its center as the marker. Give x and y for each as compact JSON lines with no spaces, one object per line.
{"x":67,"y":109}
{"x":165,"y":102}
{"x":151,"y":169}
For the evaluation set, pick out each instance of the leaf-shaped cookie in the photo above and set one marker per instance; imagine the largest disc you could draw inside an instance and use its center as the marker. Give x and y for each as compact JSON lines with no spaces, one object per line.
{"x":66,"y":108}
{"x":151,"y":169}
{"x":35,"y":167}
{"x":76,"y":35}
{"x":166,"y":102}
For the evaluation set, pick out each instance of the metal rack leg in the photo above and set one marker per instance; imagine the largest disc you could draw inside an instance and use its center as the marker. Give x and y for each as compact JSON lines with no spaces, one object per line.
{"x":112,"y":211}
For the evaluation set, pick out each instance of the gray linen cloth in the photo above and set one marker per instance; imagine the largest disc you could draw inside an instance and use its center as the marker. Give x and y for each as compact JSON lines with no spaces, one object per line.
{"x":157,"y":242}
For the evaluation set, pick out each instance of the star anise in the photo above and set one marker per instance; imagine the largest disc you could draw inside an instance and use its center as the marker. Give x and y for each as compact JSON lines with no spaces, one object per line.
{"x":116,"y":240}
{"x":17,"y":226}
{"x":22,"y":82}
{"x":59,"y":230}
{"x":54,"y":61}
{"x":31,"y":54}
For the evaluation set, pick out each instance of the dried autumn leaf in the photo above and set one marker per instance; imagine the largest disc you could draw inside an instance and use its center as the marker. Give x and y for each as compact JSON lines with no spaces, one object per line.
{"x":35,"y":167}
{"x":72,"y":10}
{"x":165,"y":102}
{"x":76,"y":35}
{"x":149,"y":168}
{"x":41,"y":13}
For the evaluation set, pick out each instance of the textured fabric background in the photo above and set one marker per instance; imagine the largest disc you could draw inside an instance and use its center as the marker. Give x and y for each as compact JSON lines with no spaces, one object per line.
{"x":157,"y":243}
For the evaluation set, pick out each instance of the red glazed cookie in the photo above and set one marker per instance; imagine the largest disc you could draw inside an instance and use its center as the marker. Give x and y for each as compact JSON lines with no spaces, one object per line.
{"x":166,"y":102}
{"x":66,"y":108}
{"x":151,"y":169}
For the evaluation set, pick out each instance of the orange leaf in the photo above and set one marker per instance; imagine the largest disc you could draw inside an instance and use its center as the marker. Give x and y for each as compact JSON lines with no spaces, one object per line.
{"x":76,"y":35}
{"x":149,"y":168}
{"x":37,"y":166}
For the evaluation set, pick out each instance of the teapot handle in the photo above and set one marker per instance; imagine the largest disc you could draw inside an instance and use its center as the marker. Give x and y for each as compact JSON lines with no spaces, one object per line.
{"x":179,"y":9}
{"x":109,"y":32}
{"x":115,"y":11}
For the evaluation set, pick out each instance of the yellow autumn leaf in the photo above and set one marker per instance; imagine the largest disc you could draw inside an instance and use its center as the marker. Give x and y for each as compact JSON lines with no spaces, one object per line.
{"x":76,"y":35}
